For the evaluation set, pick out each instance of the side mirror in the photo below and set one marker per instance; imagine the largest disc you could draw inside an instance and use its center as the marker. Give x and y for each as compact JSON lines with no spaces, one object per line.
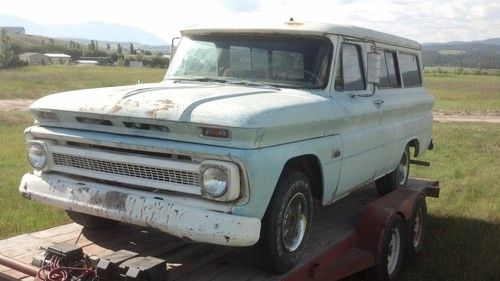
{"x":173,"y":46}
{"x":374,"y":68}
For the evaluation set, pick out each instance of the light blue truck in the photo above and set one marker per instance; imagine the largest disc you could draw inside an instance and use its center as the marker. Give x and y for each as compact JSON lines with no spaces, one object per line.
{"x":250,"y":125}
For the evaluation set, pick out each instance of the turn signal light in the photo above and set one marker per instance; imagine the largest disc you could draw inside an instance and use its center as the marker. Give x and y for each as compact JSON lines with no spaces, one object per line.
{"x":215,"y":133}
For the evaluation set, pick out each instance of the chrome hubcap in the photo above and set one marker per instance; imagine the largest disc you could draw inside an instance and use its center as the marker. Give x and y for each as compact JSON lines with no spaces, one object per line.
{"x":417,"y":229}
{"x":394,"y":251}
{"x":403,"y":168}
{"x":293,"y":225}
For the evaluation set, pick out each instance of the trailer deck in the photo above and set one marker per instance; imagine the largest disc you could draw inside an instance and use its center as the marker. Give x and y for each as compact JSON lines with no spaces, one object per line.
{"x":334,"y":228}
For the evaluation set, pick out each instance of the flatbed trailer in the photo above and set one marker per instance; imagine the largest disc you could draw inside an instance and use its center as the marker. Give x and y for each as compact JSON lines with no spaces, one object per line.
{"x":345,"y":239}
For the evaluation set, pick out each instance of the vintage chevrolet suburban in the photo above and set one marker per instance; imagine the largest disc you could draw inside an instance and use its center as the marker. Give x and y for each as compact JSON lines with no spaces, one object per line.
{"x":250,"y":125}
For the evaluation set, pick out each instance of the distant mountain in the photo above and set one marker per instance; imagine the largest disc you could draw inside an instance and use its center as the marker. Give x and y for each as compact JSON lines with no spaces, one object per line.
{"x":90,"y":30}
{"x":473,"y":54}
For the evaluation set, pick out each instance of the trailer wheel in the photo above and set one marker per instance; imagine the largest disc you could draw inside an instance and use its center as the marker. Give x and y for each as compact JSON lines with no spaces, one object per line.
{"x":396,"y":178}
{"x":390,"y":253}
{"x":91,"y":222}
{"x":417,"y":226}
{"x":286,"y":224}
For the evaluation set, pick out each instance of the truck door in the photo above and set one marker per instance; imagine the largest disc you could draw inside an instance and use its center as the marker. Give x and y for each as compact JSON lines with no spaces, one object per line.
{"x":360,"y":131}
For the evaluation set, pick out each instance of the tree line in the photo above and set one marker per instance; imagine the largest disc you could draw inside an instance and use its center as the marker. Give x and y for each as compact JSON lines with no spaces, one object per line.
{"x":104,"y":55}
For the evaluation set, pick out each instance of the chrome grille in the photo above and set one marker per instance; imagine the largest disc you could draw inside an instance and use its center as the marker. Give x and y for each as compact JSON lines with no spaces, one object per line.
{"x":125,"y":169}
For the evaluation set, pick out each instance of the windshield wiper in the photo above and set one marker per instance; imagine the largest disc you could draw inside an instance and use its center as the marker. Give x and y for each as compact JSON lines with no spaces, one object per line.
{"x":199,"y":79}
{"x":254,"y":84}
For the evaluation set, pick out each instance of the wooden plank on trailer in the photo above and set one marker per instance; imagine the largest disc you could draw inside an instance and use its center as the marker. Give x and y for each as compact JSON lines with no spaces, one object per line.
{"x":58,"y":230}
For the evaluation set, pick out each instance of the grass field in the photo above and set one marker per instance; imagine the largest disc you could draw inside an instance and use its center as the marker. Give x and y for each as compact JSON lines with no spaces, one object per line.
{"x":470,"y":93}
{"x":18,"y":215}
{"x":37,"y":81}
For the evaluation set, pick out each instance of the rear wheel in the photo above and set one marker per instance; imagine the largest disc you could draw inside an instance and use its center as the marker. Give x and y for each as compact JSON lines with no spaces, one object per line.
{"x":89,"y":221}
{"x":285,"y":227}
{"x":417,"y":227}
{"x":391,"y":251}
{"x":396,"y":178}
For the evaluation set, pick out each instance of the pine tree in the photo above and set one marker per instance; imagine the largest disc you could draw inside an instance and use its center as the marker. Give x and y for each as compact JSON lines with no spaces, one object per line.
{"x":119,"y":49}
{"x":6,"y":54}
{"x":132,"y":50}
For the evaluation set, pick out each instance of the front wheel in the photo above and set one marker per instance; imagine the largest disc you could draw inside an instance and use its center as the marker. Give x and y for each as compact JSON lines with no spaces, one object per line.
{"x":396,"y":178}
{"x":286,"y":224}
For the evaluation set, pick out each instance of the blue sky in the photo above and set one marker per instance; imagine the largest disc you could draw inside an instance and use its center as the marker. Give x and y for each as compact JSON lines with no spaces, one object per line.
{"x":422,"y":20}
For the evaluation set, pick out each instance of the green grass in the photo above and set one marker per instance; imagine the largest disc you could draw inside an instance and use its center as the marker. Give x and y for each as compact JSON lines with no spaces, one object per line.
{"x":18,"y":215}
{"x":464,"y":224}
{"x":459,"y":93}
{"x":37,"y":81}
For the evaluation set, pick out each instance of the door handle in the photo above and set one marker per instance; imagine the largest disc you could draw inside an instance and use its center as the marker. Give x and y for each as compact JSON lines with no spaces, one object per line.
{"x":378,"y":102}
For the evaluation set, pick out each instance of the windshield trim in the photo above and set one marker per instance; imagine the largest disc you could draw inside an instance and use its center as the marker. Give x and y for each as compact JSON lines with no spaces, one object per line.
{"x":326,"y":38}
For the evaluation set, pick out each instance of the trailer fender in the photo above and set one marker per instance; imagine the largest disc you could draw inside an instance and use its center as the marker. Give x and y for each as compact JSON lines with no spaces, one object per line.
{"x":376,"y":217}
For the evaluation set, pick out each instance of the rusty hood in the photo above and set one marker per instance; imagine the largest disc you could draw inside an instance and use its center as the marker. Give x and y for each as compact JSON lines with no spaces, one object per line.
{"x":183,"y":107}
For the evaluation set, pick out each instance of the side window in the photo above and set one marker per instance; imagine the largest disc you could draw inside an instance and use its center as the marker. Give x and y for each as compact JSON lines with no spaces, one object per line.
{"x":389,"y":77}
{"x":409,"y":70}
{"x":350,"y":76}
{"x":384,"y":74}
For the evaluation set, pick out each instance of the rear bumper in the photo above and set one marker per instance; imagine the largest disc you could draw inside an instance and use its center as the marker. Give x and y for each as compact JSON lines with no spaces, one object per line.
{"x":141,"y":208}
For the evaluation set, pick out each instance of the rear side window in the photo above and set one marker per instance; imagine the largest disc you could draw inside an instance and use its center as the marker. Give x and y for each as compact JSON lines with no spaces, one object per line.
{"x":350,"y":75}
{"x":409,"y":70}
{"x":389,"y":77}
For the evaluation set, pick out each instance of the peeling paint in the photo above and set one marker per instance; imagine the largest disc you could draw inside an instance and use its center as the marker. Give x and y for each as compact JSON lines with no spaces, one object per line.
{"x":115,"y":200}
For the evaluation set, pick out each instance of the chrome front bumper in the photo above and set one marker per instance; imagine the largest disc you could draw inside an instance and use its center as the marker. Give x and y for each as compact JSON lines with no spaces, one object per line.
{"x":141,"y":208}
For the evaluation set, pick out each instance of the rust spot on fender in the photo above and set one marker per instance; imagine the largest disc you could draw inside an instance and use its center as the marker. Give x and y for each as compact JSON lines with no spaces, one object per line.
{"x":162,"y":105}
{"x":116,"y":108}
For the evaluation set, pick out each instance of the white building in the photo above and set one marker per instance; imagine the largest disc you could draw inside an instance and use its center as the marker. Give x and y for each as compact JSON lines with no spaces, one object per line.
{"x":58,"y":58}
{"x":34,"y":58}
{"x":87,"y":62}
{"x":137,"y":64}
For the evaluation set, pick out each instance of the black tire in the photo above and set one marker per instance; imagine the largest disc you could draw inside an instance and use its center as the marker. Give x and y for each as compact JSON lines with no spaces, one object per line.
{"x":91,"y":222}
{"x":382,"y":270}
{"x":417,"y":228}
{"x":393,"y":180}
{"x":275,"y":252}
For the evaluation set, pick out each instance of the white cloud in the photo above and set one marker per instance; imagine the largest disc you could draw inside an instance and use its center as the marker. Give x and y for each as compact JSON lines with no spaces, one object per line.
{"x":422,"y":20}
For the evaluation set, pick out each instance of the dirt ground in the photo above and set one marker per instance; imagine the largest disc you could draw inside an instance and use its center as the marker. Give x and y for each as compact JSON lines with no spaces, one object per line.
{"x":492,"y":116}
{"x":15,"y":104}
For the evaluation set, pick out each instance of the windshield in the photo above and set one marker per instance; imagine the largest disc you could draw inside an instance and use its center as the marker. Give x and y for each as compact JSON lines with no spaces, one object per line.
{"x":278,"y":60}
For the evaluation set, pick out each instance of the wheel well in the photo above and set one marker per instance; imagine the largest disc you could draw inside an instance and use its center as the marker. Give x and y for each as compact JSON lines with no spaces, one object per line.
{"x":416,"y":146}
{"x":311,"y":167}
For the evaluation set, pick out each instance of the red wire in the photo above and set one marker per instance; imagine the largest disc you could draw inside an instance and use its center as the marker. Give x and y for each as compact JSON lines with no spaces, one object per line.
{"x":57,"y":273}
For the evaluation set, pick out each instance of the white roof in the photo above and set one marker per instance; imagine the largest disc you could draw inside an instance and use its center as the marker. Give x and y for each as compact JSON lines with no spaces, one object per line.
{"x":87,"y":61}
{"x":310,"y":28}
{"x":57,"y":56}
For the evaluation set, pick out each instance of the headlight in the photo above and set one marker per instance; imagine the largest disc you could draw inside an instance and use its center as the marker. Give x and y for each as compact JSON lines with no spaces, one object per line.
{"x":37,"y":155}
{"x":215,"y":181}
